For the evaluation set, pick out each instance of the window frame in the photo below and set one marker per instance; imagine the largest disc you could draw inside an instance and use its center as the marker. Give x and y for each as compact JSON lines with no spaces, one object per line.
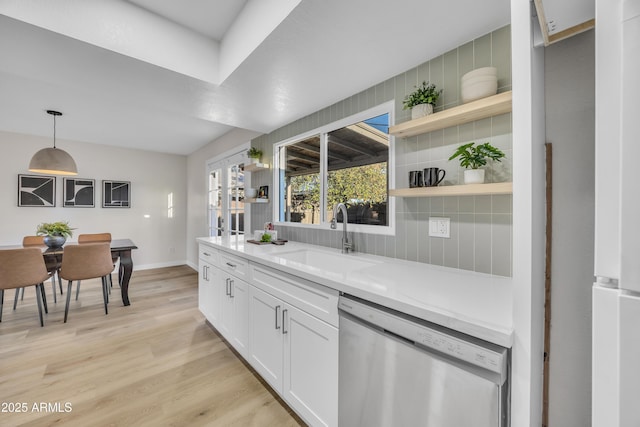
{"x":323,"y":131}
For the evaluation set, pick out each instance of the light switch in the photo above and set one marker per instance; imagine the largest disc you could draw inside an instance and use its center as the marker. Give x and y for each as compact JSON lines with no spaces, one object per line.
{"x":439,"y":227}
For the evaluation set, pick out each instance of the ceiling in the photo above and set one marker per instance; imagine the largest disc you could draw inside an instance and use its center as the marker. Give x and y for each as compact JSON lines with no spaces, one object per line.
{"x":172,"y":76}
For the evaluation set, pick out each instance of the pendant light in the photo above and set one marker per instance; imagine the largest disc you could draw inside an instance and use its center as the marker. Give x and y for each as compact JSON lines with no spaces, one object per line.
{"x":53,"y":160}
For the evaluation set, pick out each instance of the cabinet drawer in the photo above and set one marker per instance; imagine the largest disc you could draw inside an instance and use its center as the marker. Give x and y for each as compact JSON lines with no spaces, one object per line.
{"x":208,"y":254}
{"x":313,"y":298}
{"x":234,"y":265}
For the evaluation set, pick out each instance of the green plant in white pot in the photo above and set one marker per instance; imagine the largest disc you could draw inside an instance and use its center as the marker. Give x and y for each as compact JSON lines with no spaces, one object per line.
{"x":472,"y":157}
{"x":254,"y":154}
{"x":55,"y":233}
{"x":422,"y":100}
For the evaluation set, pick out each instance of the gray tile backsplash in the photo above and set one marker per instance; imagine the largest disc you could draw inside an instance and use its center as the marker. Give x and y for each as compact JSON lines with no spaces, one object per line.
{"x":481,"y":226}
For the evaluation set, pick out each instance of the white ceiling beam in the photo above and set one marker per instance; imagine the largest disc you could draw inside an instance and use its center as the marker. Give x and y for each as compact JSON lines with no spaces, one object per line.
{"x":257,"y":20}
{"x":126,"y":29}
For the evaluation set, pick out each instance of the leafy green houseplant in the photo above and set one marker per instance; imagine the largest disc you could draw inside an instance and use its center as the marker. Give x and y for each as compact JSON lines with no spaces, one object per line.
{"x":266,"y":237}
{"x":422,"y":100}
{"x":473,"y":157}
{"x":55,"y":233}
{"x":255,"y":154}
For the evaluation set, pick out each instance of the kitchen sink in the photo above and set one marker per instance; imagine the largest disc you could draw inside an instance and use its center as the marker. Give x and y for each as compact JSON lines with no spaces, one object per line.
{"x":331,"y":262}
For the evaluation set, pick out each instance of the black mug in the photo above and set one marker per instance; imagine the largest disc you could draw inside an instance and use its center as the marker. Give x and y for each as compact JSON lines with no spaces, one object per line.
{"x":415,"y":179}
{"x":433,"y":176}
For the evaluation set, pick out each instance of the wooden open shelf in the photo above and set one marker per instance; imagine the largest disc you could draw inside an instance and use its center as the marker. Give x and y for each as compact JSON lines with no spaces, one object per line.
{"x":255,"y":200}
{"x":465,"y":113}
{"x":253,"y":167}
{"x":455,"y":190}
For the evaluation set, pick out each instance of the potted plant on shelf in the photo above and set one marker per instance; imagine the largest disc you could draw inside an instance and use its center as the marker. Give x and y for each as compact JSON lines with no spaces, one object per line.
{"x":422,"y":100}
{"x":475,"y":156}
{"x":254,"y":154}
{"x":55,"y":233}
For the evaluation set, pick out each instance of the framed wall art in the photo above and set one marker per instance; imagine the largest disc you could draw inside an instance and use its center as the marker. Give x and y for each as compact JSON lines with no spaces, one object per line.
{"x":78,"y":193}
{"x":36,"y":190}
{"x":263,"y":192}
{"x":116,"y":194}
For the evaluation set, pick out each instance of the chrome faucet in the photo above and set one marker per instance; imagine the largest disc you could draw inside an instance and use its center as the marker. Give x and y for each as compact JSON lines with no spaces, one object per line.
{"x":346,"y":245}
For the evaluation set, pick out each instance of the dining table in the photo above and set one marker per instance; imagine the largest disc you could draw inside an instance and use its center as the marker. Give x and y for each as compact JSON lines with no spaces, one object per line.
{"x":120,"y":249}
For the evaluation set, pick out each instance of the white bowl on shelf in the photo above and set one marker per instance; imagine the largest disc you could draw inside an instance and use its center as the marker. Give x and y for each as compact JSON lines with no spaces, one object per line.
{"x":484,"y":71}
{"x":250,"y":193}
{"x":479,"y":83}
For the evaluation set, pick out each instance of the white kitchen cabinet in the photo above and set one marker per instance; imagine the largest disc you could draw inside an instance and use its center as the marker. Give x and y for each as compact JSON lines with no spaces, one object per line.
{"x":265,"y":335}
{"x":225,"y":321}
{"x":209,"y":285}
{"x":234,"y":313}
{"x":311,"y":367}
{"x":297,"y":354}
{"x":233,"y":294}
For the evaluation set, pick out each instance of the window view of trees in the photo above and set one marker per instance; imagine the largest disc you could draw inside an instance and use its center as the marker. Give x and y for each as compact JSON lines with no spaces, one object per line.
{"x":363,"y":189}
{"x":357,"y":175}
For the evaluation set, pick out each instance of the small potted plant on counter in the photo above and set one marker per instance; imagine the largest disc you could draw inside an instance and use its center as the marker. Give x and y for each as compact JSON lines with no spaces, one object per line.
{"x":422,"y":100}
{"x":254,"y":154}
{"x":472,"y":157}
{"x":55,"y":233}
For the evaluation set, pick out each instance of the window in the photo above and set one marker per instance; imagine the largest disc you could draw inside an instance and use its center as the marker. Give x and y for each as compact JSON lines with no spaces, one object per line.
{"x":345,"y":162}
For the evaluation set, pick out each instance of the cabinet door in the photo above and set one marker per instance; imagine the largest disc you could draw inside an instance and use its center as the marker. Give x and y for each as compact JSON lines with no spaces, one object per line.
{"x":239,"y":297}
{"x":311,"y":367}
{"x":265,"y":336}
{"x":225,"y":321}
{"x":208,"y":300}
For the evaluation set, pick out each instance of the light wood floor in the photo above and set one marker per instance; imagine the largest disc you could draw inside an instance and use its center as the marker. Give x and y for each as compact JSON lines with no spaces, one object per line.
{"x":154,"y":363}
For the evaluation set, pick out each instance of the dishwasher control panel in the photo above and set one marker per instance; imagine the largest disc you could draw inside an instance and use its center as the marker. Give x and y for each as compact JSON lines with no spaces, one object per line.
{"x":463,"y":350}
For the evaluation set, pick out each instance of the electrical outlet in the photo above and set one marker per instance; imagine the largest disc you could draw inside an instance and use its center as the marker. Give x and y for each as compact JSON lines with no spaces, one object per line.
{"x":439,"y":227}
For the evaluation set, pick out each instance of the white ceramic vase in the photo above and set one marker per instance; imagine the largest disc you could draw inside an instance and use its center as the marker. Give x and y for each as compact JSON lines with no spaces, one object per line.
{"x":421,"y":110}
{"x":474,"y":176}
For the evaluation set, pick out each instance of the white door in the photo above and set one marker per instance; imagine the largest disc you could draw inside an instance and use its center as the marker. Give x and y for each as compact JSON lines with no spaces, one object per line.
{"x":629,"y":361}
{"x":311,"y":367}
{"x":605,"y":365}
{"x":265,"y":335}
{"x":630,"y":136}
{"x":226,"y":207}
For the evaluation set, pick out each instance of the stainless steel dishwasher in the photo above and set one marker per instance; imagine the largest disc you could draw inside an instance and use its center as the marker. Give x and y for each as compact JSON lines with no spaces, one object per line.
{"x":399,"y":371}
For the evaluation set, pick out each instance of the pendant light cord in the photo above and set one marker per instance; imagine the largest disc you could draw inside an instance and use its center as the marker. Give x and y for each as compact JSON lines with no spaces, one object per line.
{"x":54,"y":131}
{"x":54,"y":114}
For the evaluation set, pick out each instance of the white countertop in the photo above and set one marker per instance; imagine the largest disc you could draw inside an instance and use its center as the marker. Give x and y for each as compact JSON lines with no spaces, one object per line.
{"x":473,"y":303}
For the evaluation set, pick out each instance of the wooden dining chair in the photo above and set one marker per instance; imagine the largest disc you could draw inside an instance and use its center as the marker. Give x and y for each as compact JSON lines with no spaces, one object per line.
{"x":21,"y":268}
{"x":93,"y":238}
{"x":86,"y":261}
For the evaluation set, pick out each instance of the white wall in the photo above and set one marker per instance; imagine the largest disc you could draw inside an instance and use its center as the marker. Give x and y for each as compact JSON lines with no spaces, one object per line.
{"x":569,"y":89}
{"x":160,"y":240}
{"x":197,"y":186}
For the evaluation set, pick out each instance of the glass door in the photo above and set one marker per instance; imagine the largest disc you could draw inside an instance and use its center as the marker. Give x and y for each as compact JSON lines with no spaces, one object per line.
{"x":226,"y":207}
{"x":234,"y":209}
{"x":216,"y":219}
